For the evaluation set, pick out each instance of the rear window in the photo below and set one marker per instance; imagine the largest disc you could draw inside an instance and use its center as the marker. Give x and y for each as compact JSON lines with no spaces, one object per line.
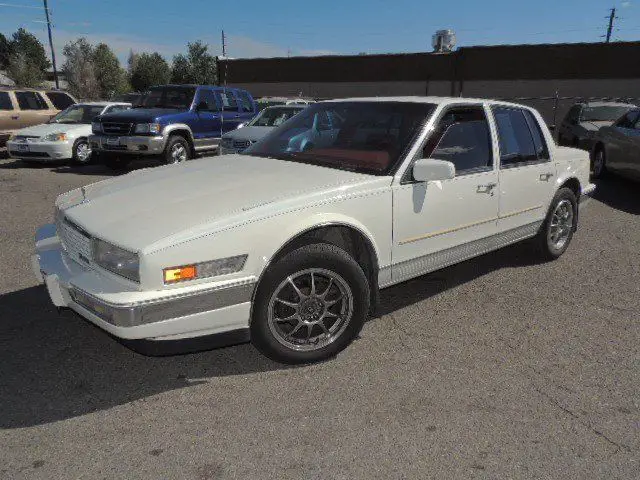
{"x":516,"y":141}
{"x":60,"y":100}
{"x":5,"y":101}
{"x":31,"y":101}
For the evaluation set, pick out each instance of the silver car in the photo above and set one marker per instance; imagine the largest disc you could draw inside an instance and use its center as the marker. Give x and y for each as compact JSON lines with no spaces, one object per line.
{"x":269,"y":118}
{"x":617,"y":147}
{"x":582,"y":122}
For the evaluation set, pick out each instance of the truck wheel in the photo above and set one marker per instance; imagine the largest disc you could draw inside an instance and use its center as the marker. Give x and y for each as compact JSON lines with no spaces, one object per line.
{"x":177,"y":150}
{"x":81,"y":152}
{"x":114,"y":162}
{"x":599,"y":162}
{"x":309,"y":305}
{"x":557,"y":230}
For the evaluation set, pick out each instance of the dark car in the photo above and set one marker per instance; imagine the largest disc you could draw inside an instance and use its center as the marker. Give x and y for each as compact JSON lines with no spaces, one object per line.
{"x":617,"y":147}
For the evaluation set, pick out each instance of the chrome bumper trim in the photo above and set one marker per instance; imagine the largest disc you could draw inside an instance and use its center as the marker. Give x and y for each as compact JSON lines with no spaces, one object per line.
{"x":131,"y":315}
{"x":128,"y":144}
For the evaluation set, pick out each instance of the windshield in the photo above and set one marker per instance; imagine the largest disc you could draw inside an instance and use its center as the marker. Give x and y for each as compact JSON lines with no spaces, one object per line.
{"x":366,"y":137}
{"x":608,"y":114}
{"x":274,"y":116}
{"x":81,"y":114}
{"x":168,"y":97}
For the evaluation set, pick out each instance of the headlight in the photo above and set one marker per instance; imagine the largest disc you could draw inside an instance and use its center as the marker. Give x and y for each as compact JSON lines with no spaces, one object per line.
{"x":148,"y":128}
{"x":55,"y":137}
{"x":96,"y":127}
{"x":116,"y":260}
{"x":214,"y":268}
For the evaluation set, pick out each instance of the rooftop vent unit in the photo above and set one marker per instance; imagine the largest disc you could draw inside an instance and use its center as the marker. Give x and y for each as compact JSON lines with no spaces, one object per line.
{"x":444,"y":41}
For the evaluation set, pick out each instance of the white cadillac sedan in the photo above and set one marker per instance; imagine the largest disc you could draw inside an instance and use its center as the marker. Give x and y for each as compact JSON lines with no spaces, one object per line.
{"x":289,"y":244}
{"x":64,"y":137}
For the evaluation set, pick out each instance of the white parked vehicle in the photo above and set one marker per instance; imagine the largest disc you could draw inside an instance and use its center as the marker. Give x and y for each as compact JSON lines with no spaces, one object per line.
{"x":289,"y":243}
{"x":64,"y":137}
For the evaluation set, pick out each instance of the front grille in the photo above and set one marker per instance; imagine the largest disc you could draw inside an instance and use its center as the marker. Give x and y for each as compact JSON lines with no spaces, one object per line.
{"x":24,"y":138}
{"x":75,"y":241}
{"x":18,"y":153}
{"x":113,"y":128}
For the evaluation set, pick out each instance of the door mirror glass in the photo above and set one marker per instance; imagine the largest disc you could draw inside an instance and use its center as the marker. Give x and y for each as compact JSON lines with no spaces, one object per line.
{"x":432,"y":170}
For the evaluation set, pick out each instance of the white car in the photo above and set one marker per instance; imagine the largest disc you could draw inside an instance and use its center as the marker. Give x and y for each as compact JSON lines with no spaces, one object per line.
{"x":290,"y":249}
{"x":64,"y":137}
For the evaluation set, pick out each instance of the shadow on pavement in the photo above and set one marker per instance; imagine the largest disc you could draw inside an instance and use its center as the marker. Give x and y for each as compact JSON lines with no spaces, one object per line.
{"x":58,"y":366}
{"x":619,"y":193}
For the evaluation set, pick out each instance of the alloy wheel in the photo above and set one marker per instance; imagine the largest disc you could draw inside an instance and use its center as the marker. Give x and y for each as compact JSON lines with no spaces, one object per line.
{"x":561,"y":224}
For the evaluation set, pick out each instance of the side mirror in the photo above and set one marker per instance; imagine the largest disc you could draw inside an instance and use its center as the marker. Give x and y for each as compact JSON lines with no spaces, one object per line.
{"x":431,"y":170}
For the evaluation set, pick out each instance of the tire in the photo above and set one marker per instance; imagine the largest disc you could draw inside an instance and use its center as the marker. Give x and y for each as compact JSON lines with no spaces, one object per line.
{"x":177,"y":150}
{"x":81,"y":152}
{"x":340,"y":303}
{"x":599,"y":162}
{"x":556,"y":231}
{"x":115,"y":162}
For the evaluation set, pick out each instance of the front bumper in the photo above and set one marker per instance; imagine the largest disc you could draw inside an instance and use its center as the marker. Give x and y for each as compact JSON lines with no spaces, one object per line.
{"x":135,"y":144}
{"x":40,"y":150}
{"x":127,"y":313}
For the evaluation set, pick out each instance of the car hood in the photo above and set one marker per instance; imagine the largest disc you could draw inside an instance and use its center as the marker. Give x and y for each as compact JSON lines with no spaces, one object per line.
{"x":141,"y":115}
{"x":47,"y":128}
{"x":248,"y":133}
{"x":595,"y":126}
{"x":140,"y":209}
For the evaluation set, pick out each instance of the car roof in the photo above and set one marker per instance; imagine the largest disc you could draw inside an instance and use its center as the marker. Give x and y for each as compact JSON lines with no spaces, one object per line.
{"x":432,"y":100}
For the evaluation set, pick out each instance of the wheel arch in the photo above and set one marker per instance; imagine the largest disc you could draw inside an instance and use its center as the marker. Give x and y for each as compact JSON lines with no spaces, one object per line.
{"x":352,"y":238}
{"x":179,"y":129}
{"x":573,"y":184}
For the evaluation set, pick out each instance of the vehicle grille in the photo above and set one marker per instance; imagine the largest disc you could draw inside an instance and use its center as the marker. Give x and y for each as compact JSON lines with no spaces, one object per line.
{"x":75,"y":241}
{"x":112,"y":128}
{"x":242,"y":144}
{"x":24,"y":138}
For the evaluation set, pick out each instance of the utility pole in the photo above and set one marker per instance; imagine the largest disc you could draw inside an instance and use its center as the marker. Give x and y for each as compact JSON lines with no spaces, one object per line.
{"x":224,"y":45}
{"x":612,"y":17}
{"x":53,"y":53}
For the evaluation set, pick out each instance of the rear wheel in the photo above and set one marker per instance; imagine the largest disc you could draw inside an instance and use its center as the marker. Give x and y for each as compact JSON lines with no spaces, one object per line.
{"x":81,"y":152}
{"x":557,"y":230}
{"x":310,"y":305}
{"x":177,"y":150}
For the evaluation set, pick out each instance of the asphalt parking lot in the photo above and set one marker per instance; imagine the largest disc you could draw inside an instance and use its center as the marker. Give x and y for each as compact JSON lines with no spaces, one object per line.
{"x":501,"y":367}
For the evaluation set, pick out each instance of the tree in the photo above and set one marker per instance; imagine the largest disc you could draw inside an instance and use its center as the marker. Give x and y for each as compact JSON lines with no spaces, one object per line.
{"x":111,"y":77}
{"x":148,"y":69}
{"x":80,"y":70}
{"x":5,"y":52}
{"x":27,"y":60}
{"x":198,"y":66}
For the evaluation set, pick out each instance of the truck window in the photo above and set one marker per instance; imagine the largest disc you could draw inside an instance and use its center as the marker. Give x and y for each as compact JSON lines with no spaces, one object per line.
{"x":207,"y":97}
{"x":60,"y":100}
{"x":228,"y":100}
{"x":463,"y":138}
{"x":516,"y":141}
{"x":5,"y":101}
{"x":31,"y":101}
{"x":245,"y":102}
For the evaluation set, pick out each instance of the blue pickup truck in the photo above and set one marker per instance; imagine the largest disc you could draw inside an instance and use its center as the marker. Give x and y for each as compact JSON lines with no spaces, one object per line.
{"x":173,"y":122}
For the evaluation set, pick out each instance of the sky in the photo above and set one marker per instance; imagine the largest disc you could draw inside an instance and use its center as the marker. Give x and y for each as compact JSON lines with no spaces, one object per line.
{"x":268,"y":28}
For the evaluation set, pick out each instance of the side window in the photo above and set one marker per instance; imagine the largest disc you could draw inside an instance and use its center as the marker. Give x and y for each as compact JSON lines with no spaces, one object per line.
{"x":207,"y":101}
{"x":31,"y":101}
{"x":538,"y":138}
{"x":228,"y":100}
{"x":462,"y":137}
{"x":516,"y":141}
{"x":574,"y":114}
{"x":60,"y":100}
{"x":118,"y":108}
{"x":5,"y":101}
{"x":628,"y":120}
{"x":246,"y":105}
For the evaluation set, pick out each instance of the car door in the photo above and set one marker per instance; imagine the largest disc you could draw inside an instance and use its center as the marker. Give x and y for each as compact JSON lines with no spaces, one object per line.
{"x":230,"y":110}
{"x":526,"y":171}
{"x":207,"y":129}
{"x":439,"y":223}
{"x":621,"y":142}
{"x":33,"y":109}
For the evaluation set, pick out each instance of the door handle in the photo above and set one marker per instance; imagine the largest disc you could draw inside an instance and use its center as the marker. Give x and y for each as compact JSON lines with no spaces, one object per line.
{"x":488,"y":188}
{"x":544,"y":177}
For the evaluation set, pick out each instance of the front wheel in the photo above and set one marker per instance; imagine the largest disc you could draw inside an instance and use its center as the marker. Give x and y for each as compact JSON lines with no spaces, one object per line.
{"x":177,"y":150}
{"x":81,"y":152}
{"x":310,"y":305}
{"x":557,"y":230}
